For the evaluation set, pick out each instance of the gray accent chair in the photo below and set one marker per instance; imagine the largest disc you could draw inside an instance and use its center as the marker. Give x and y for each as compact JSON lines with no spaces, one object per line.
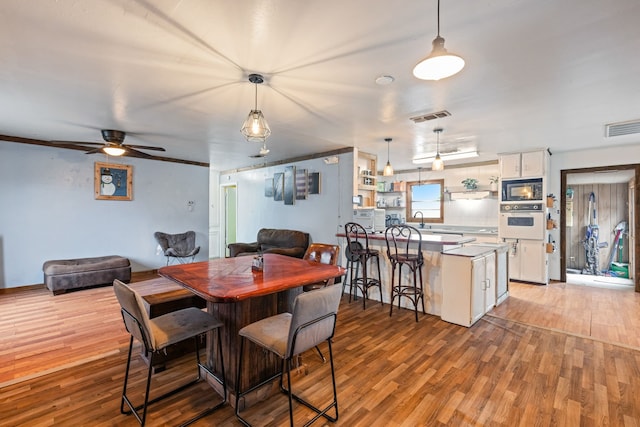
{"x":312,"y":322}
{"x":178,"y":247}
{"x":156,"y":335}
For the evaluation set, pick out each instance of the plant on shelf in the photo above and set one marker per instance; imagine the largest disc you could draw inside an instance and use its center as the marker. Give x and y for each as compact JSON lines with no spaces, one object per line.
{"x":493,"y":183}
{"x":470,"y":184}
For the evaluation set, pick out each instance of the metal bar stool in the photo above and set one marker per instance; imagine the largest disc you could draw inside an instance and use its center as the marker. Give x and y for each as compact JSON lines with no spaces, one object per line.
{"x":399,"y":238}
{"x":358,"y":245}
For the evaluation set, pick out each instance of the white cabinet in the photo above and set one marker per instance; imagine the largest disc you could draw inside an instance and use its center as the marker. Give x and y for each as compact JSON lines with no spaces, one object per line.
{"x":528,"y":261}
{"x":522,"y":165}
{"x":468,"y":287}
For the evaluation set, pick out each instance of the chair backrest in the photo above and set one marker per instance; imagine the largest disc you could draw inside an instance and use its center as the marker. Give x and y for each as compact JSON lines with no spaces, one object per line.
{"x":322,"y":253}
{"x":313,"y":319}
{"x":182,"y":243}
{"x":356,"y":237}
{"x":402,"y":237}
{"x":134,"y":314}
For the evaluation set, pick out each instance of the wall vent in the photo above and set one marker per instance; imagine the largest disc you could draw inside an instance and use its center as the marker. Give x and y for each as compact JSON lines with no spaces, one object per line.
{"x":622,"y":128}
{"x":430,"y":116}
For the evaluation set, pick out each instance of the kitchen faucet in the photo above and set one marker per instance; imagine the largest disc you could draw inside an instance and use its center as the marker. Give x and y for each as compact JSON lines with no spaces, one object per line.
{"x":415,"y":215}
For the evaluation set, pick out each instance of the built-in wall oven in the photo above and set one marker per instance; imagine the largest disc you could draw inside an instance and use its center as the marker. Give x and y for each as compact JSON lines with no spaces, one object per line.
{"x":521,"y":221}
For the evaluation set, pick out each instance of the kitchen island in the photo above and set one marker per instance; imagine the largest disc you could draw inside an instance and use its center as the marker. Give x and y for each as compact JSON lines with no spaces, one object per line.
{"x":432,"y":247}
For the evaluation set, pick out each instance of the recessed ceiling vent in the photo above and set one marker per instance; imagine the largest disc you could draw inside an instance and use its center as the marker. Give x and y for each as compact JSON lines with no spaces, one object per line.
{"x":430,"y":116}
{"x":622,"y":128}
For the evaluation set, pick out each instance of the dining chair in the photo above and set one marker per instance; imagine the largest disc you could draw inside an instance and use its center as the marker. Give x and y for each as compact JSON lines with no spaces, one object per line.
{"x":312,"y":321}
{"x":359,"y":250}
{"x":404,"y":248}
{"x":156,"y":334}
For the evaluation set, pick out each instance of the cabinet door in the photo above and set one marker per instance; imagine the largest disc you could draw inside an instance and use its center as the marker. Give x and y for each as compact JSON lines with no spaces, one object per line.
{"x":502,"y":279}
{"x":533,"y":263}
{"x":514,"y":261}
{"x":533,"y":164}
{"x":510,"y":165}
{"x":490,"y":282}
{"x":478,"y":285}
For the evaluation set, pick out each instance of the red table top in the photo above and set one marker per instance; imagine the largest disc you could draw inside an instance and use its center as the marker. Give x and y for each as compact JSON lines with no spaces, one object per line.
{"x":231,"y":279}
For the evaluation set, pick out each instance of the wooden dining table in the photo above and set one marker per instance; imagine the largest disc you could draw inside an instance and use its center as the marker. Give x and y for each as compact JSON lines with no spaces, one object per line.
{"x":238,"y":296}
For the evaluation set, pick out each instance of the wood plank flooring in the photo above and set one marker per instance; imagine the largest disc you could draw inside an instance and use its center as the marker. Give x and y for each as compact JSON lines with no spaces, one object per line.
{"x":550,"y":355}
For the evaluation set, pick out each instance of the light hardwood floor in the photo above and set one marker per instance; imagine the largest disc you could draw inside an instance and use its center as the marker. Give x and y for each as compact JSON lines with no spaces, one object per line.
{"x":550,"y":355}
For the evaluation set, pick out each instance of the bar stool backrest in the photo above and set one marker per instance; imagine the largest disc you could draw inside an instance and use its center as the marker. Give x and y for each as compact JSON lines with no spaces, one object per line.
{"x":357,"y":239}
{"x":400,"y":238}
{"x":313,"y":319}
{"x":134,"y":314}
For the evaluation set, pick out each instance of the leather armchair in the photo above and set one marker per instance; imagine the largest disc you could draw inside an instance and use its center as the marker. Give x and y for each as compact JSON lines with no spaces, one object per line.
{"x":273,"y":241}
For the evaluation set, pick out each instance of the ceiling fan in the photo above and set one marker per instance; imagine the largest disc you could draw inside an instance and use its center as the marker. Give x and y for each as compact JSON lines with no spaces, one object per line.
{"x":114,"y":145}
{"x":263,"y":152}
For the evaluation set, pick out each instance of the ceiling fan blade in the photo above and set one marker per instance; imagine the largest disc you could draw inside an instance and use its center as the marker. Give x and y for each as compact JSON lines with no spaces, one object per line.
{"x":131,"y":152}
{"x":145,"y":147}
{"x":94,"y":150}
{"x":79,"y":142}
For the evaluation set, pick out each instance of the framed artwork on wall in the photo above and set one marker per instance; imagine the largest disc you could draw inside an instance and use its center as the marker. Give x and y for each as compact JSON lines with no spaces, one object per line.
{"x":112,"y":181}
{"x":268,"y":187}
{"x":278,"y":186}
{"x":301,"y":184}
{"x":314,"y":183}
{"x":289,"y":185}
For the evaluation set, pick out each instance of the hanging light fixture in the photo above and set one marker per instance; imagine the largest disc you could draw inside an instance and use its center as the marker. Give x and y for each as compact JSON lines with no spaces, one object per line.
{"x":388,"y":170}
{"x":255,"y":128}
{"x":437,"y":164}
{"x":440,"y":63}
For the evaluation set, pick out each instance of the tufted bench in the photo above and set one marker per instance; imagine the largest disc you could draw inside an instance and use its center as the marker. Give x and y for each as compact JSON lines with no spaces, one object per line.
{"x":60,"y":275}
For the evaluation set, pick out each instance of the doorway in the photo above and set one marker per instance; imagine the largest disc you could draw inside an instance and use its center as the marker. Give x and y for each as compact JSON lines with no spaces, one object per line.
{"x":230,"y":216}
{"x":598,"y":222}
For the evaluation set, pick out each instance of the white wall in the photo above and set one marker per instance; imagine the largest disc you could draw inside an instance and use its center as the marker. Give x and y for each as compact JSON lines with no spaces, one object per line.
{"x":321,"y":215}
{"x":610,"y":156}
{"x":49,"y":211}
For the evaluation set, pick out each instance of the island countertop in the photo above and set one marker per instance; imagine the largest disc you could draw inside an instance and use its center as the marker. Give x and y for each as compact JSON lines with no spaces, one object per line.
{"x":429,"y":241}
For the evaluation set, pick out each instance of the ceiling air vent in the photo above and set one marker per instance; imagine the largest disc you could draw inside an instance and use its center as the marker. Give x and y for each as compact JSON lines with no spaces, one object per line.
{"x":622,"y":128}
{"x":430,"y":116}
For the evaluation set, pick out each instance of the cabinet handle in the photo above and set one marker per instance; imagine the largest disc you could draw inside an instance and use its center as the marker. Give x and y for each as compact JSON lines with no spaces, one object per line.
{"x":488,"y":284}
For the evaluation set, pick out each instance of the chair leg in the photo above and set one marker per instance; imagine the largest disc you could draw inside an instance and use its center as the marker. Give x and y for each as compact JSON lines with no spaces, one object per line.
{"x":125,"y":399}
{"x":379,"y":279}
{"x":393,"y":282}
{"x":321,"y":355}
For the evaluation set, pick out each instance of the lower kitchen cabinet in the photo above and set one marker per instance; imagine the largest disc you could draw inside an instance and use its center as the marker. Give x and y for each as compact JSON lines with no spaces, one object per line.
{"x":469,"y":283}
{"x":528,"y":261}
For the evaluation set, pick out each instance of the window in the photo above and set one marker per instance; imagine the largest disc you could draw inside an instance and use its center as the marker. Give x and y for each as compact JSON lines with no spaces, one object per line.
{"x":425,"y":199}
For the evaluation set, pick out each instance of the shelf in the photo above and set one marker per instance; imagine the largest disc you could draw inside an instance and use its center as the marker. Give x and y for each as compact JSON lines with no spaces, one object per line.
{"x":392,"y":207}
{"x":366,"y":187}
{"x":472,"y":195}
{"x":390,"y":192}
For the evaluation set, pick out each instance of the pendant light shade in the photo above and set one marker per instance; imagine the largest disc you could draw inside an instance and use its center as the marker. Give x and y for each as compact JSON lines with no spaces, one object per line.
{"x":255,"y":128}
{"x":440,"y":63}
{"x":438,"y":163}
{"x":388,"y":170}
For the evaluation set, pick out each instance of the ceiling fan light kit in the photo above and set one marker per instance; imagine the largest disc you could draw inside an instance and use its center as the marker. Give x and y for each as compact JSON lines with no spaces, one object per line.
{"x":440,"y":63}
{"x":255,"y":128}
{"x":113,"y":150}
{"x":388,"y":170}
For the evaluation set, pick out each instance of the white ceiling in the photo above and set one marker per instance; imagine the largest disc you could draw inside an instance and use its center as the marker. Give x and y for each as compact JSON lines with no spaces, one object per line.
{"x":173,"y":73}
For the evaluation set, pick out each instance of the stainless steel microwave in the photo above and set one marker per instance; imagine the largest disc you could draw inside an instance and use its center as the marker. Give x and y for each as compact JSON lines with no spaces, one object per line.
{"x":516,"y":190}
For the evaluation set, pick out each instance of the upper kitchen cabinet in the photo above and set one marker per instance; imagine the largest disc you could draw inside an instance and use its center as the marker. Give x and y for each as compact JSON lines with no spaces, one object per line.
{"x":365,"y":178}
{"x":523,"y":165}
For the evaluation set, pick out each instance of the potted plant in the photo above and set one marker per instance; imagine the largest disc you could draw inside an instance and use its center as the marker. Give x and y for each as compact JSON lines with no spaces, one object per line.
{"x":493,"y":183}
{"x":470,"y":184}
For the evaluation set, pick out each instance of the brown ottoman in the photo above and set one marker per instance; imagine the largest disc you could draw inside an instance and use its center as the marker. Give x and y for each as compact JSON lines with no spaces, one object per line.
{"x":60,"y":275}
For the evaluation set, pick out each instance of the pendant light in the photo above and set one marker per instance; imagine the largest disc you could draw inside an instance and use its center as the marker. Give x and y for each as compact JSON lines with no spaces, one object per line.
{"x":255,"y":128}
{"x":440,"y":63}
{"x":388,"y":170}
{"x":437,"y":164}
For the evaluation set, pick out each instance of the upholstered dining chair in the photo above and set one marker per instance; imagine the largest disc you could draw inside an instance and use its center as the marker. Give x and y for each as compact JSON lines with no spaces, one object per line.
{"x":404,"y":248}
{"x":181,"y":247}
{"x":312,"y":321}
{"x":156,"y":335}
{"x":322,"y":253}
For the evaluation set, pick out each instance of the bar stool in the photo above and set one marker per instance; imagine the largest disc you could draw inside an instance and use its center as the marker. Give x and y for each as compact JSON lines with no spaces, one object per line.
{"x":399,"y":238}
{"x":358,"y":245}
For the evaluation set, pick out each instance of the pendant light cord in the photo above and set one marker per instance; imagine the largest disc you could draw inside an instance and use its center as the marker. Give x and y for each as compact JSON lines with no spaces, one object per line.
{"x":438,"y":18}
{"x":256,"y":97}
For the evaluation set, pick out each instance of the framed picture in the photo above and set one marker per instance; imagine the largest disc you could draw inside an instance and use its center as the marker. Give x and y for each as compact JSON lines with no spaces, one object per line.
{"x":301,"y":184}
{"x":289,"y":185}
{"x":314,"y":183}
{"x":268,"y":187}
{"x":278,"y":186}
{"x":113,"y":181}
